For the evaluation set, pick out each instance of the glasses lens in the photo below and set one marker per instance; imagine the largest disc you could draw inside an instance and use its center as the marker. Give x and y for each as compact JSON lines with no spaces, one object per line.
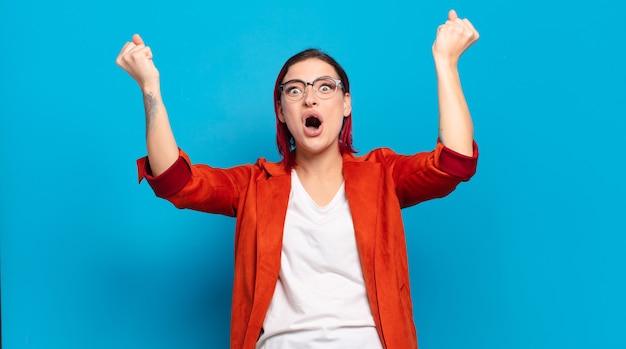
{"x":325,"y":87}
{"x":294,"y":89}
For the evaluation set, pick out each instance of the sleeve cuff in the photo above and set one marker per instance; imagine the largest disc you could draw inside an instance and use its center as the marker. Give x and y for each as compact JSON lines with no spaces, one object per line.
{"x":458,"y":165}
{"x":169,"y":182}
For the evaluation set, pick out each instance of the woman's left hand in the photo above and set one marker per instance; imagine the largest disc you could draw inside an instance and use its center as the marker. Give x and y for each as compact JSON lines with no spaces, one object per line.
{"x":453,"y":37}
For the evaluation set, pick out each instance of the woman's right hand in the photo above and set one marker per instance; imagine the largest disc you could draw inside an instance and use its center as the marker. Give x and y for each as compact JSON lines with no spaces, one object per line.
{"x":136,"y":59}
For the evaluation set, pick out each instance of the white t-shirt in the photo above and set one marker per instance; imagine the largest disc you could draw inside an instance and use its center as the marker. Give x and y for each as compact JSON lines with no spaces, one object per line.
{"x":320,"y":299}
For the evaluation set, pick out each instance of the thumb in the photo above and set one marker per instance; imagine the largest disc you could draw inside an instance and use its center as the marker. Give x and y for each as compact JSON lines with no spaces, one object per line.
{"x":452,"y":15}
{"x":137,"y":40}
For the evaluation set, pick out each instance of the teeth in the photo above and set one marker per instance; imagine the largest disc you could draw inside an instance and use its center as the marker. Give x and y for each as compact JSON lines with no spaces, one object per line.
{"x":312,"y":122}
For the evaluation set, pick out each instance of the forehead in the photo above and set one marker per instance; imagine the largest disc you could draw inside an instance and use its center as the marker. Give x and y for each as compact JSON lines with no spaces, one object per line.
{"x":309,"y":70}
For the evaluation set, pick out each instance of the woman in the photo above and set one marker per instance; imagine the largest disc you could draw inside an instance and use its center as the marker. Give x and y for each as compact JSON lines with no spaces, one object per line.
{"x":320,"y":254}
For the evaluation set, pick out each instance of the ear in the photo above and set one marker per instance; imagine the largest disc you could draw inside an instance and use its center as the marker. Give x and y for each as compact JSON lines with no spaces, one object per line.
{"x":279,"y":111}
{"x":347,"y":104}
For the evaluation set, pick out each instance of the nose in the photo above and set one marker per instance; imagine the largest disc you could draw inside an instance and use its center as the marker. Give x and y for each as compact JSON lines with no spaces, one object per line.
{"x":310,"y":98}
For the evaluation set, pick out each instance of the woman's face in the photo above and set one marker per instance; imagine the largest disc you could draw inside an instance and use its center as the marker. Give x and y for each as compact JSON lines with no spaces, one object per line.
{"x":314,"y":122}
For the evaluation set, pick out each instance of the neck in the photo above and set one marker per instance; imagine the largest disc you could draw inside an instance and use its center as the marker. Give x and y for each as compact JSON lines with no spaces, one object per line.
{"x":321,"y":175}
{"x":325,"y":165}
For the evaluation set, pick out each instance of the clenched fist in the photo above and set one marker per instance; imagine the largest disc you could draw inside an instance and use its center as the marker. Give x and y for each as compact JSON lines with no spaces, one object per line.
{"x":453,"y":37}
{"x":136,"y":59}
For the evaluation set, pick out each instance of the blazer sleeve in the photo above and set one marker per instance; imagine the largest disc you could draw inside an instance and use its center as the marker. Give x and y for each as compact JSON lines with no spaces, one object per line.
{"x":198,"y":187}
{"x":429,"y":175}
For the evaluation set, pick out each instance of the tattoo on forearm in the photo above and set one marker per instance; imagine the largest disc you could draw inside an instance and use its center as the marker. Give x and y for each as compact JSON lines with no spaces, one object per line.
{"x":150,"y":104}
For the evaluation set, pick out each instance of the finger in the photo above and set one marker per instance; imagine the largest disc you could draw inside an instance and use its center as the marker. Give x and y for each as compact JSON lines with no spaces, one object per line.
{"x":457,"y":23}
{"x":137,"y":47}
{"x":126,"y":47}
{"x":130,"y":52}
{"x":124,"y":51}
{"x":462,"y":26}
{"x":454,"y":23}
{"x":470,"y":25}
{"x":137,"y":39}
{"x":148,"y":52}
{"x":453,"y":27}
{"x":133,"y":53}
{"x":452,"y":15}
{"x":140,"y":52}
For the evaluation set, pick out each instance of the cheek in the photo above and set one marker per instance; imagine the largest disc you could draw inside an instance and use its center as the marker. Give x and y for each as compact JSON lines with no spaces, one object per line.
{"x":288,"y":115}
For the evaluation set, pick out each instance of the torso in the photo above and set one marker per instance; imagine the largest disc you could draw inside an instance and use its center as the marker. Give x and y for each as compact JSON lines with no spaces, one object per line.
{"x":320,"y":299}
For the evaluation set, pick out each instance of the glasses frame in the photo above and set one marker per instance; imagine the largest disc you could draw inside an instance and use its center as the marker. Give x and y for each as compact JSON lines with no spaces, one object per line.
{"x":312,"y":83}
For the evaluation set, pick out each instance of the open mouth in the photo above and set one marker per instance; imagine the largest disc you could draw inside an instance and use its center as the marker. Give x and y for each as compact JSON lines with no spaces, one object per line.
{"x":312,"y":121}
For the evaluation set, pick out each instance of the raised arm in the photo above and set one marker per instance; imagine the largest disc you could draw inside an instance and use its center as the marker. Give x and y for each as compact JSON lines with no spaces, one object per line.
{"x":456,"y":130}
{"x":136,"y":59}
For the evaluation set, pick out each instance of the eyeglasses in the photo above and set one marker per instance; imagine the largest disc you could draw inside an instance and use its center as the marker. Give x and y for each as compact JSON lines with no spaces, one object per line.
{"x":324,"y":87}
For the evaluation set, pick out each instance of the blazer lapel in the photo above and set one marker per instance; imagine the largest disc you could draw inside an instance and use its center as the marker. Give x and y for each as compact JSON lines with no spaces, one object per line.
{"x":272,"y":201}
{"x":362,"y":183}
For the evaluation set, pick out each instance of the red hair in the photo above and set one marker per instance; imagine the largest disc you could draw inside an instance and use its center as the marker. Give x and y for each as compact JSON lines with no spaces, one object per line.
{"x":284,"y":138}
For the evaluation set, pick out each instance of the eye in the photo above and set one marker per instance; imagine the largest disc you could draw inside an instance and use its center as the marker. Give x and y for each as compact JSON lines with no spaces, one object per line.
{"x":326,"y":86}
{"x":293,"y":90}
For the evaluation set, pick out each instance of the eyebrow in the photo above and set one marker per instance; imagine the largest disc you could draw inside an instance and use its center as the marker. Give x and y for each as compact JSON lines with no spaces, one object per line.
{"x":317,"y":78}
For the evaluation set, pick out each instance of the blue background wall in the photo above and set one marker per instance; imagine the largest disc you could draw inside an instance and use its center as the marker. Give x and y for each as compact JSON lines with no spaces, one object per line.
{"x":528,"y":254}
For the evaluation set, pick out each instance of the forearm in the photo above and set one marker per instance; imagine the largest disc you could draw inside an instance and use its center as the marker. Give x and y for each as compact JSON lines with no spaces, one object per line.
{"x":136,"y":59}
{"x":160,"y":142}
{"x":456,"y":130}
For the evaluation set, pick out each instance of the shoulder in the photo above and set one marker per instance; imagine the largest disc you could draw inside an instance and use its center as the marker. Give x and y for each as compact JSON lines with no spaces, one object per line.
{"x":382,"y":156}
{"x":375,"y":155}
{"x":269,"y":168}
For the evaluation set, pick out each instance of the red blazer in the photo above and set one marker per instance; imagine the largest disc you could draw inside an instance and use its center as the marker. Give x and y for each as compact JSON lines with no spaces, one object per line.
{"x":377,"y":186}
